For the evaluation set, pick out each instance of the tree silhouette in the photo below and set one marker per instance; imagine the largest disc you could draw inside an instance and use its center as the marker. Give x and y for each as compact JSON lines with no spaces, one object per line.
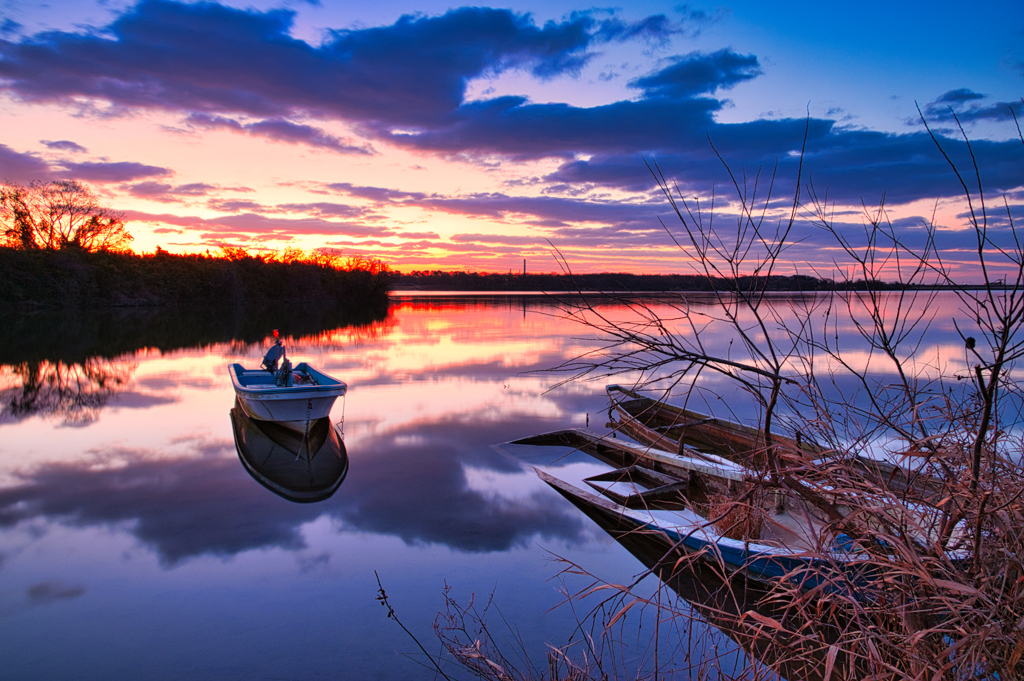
{"x":56,"y":215}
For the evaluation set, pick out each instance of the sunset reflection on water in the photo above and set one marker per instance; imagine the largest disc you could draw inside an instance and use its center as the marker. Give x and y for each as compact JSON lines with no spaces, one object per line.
{"x":134,"y":544}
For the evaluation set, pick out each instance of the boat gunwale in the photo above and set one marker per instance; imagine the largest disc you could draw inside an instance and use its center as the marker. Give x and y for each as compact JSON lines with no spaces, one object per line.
{"x":335,"y":388}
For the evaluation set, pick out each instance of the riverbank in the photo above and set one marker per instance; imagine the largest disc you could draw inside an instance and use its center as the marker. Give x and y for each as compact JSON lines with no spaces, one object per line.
{"x":39,"y":279}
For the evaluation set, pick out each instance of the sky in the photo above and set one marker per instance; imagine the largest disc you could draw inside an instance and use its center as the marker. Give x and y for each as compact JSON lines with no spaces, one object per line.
{"x":438,"y":136}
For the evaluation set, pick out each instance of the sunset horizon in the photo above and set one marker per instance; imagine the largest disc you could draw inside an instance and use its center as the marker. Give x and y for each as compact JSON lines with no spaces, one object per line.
{"x":472,"y":138}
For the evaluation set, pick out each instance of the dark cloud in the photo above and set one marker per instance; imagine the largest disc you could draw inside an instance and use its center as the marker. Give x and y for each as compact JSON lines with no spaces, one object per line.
{"x":9,"y":26}
{"x":378,"y":194}
{"x":159,"y":191}
{"x":280,"y":130}
{"x":852,"y":164}
{"x":657,"y":28}
{"x":511,"y":127}
{"x":235,"y":205}
{"x":252,"y":224}
{"x":294,"y":133}
{"x":967,"y":106}
{"x":22,"y":168}
{"x":48,"y":592}
{"x":121,"y":171}
{"x":558,"y":211}
{"x":959,"y":95}
{"x":698,"y":74}
{"x":323,"y":209}
{"x":64,"y":145}
{"x":210,"y":58}
{"x":496,"y":239}
{"x":406,"y":84}
{"x":546,"y":211}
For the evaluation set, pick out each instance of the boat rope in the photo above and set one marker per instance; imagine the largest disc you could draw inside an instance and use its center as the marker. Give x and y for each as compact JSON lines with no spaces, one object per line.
{"x":341,"y":423}
{"x":305,"y":435}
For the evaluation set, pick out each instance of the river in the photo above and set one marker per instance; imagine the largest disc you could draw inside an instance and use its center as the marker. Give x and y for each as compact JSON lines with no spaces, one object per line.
{"x":134,"y":544}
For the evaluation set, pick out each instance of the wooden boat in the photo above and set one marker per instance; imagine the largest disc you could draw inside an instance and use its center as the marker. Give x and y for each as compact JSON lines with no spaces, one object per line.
{"x":647,"y":479}
{"x":295,"y":397}
{"x":299,"y":466}
{"x":765,"y":560}
{"x":737,"y":503}
{"x":668,"y":427}
{"x":725,"y":600}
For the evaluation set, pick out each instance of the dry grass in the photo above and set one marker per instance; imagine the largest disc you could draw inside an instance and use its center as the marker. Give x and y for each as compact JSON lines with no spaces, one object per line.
{"x":928,"y":581}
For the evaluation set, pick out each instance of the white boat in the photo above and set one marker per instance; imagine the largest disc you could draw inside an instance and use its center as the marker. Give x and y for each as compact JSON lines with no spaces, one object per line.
{"x":294,"y":397}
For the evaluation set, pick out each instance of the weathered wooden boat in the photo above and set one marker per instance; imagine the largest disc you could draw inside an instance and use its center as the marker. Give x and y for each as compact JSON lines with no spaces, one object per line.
{"x":668,"y":427}
{"x":743,"y":551}
{"x":302,"y":466}
{"x":727,"y":601}
{"x":295,"y":397}
{"x":727,"y":506}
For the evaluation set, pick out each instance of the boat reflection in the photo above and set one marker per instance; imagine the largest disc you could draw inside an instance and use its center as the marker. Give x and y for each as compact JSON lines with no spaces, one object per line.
{"x":300,"y":466}
{"x":737,"y":606}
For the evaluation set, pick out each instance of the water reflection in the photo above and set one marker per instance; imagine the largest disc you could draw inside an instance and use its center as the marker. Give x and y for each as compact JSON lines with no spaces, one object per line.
{"x":74,"y":393}
{"x":74,"y":336}
{"x":298,"y":466}
{"x":420,"y":484}
{"x":138,"y":536}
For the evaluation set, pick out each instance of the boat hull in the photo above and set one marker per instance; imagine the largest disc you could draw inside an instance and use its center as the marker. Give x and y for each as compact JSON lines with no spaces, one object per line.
{"x":294,"y":406}
{"x":658,"y":424}
{"x":765,"y":564}
{"x":293,"y":411}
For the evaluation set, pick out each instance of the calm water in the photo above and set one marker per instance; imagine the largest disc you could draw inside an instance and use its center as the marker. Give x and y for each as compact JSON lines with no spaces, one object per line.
{"x":133,"y":543}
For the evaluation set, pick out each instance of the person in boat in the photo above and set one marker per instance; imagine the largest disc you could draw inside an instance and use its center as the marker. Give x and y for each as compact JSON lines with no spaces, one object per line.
{"x":274,"y":354}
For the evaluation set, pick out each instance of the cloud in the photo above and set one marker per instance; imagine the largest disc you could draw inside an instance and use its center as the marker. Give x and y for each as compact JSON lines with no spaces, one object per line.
{"x":512,"y":127}
{"x":378,"y":194}
{"x":323,"y":209}
{"x":159,"y":191}
{"x":852,"y":164}
{"x":405,"y":83}
{"x":64,"y":145}
{"x":967,"y":107}
{"x":280,"y":130}
{"x":545,"y":211}
{"x":48,"y":592}
{"x":656,"y":28}
{"x":200,"y":58}
{"x":102,"y":171}
{"x":697,"y":74}
{"x":252,"y":225}
{"x":959,"y":95}
{"x":235,"y":205}
{"x":496,"y":239}
{"x":22,"y":168}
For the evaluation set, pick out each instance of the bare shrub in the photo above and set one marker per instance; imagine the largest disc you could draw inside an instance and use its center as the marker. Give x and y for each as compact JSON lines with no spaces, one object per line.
{"x":59,"y":214}
{"x":927,"y":582}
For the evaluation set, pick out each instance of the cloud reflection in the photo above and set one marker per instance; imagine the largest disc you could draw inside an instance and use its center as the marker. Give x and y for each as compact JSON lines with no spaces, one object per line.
{"x":414,"y":488}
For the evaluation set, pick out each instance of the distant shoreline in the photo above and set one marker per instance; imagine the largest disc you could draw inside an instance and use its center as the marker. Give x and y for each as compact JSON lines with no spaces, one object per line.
{"x":649,"y":284}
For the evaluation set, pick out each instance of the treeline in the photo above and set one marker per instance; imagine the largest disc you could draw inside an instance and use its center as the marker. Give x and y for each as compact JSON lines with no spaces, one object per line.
{"x":76,"y":278}
{"x":475,"y":281}
{"x":72,"y":335}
